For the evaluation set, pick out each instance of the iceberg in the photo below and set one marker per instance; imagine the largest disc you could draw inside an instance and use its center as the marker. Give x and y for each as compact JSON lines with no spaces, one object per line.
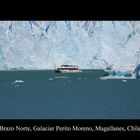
{"x":114,"y":74}
{"x":19,"y":81}
{"x":137,"y":71}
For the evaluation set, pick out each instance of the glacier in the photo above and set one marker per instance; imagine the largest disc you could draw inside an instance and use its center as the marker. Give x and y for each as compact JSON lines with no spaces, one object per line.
{"x":88,"y":44}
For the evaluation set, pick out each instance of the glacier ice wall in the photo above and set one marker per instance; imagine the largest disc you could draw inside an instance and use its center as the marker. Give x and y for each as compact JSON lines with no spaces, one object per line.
{"x":88,"y":44}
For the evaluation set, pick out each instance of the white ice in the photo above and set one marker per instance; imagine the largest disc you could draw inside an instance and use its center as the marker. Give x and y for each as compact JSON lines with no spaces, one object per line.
{"x":88,"y":44}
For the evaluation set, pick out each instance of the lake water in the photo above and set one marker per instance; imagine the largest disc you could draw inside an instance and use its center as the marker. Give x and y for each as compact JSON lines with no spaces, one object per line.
{"x":49,"y":95}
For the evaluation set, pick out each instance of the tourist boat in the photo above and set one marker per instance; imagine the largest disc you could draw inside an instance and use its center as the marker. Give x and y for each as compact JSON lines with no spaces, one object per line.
{"x":68,"y":69}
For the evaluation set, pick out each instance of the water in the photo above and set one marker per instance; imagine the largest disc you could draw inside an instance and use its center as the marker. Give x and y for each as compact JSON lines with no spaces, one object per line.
{"x":49,"y":95}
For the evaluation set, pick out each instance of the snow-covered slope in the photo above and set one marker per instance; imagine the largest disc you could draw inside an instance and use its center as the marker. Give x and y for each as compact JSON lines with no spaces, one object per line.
{"x":88,"y":44}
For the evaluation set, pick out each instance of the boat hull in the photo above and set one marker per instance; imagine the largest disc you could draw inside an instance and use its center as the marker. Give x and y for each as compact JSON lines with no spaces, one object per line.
{"x":67,"y":71}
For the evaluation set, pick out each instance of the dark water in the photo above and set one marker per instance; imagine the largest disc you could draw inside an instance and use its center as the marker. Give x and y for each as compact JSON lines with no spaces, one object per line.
{"x":49,"y":95}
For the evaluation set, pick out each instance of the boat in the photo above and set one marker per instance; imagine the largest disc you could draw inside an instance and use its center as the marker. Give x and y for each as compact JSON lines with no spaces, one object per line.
{"x":67,"y":69}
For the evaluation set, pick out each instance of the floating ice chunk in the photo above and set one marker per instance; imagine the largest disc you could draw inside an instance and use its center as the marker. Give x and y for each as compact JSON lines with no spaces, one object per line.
{"x":16,"y":85}
{"x":50,"y":78}
{"x":79,"y":78}
{"x":124,"y":80}
{"x":18,"y":81}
